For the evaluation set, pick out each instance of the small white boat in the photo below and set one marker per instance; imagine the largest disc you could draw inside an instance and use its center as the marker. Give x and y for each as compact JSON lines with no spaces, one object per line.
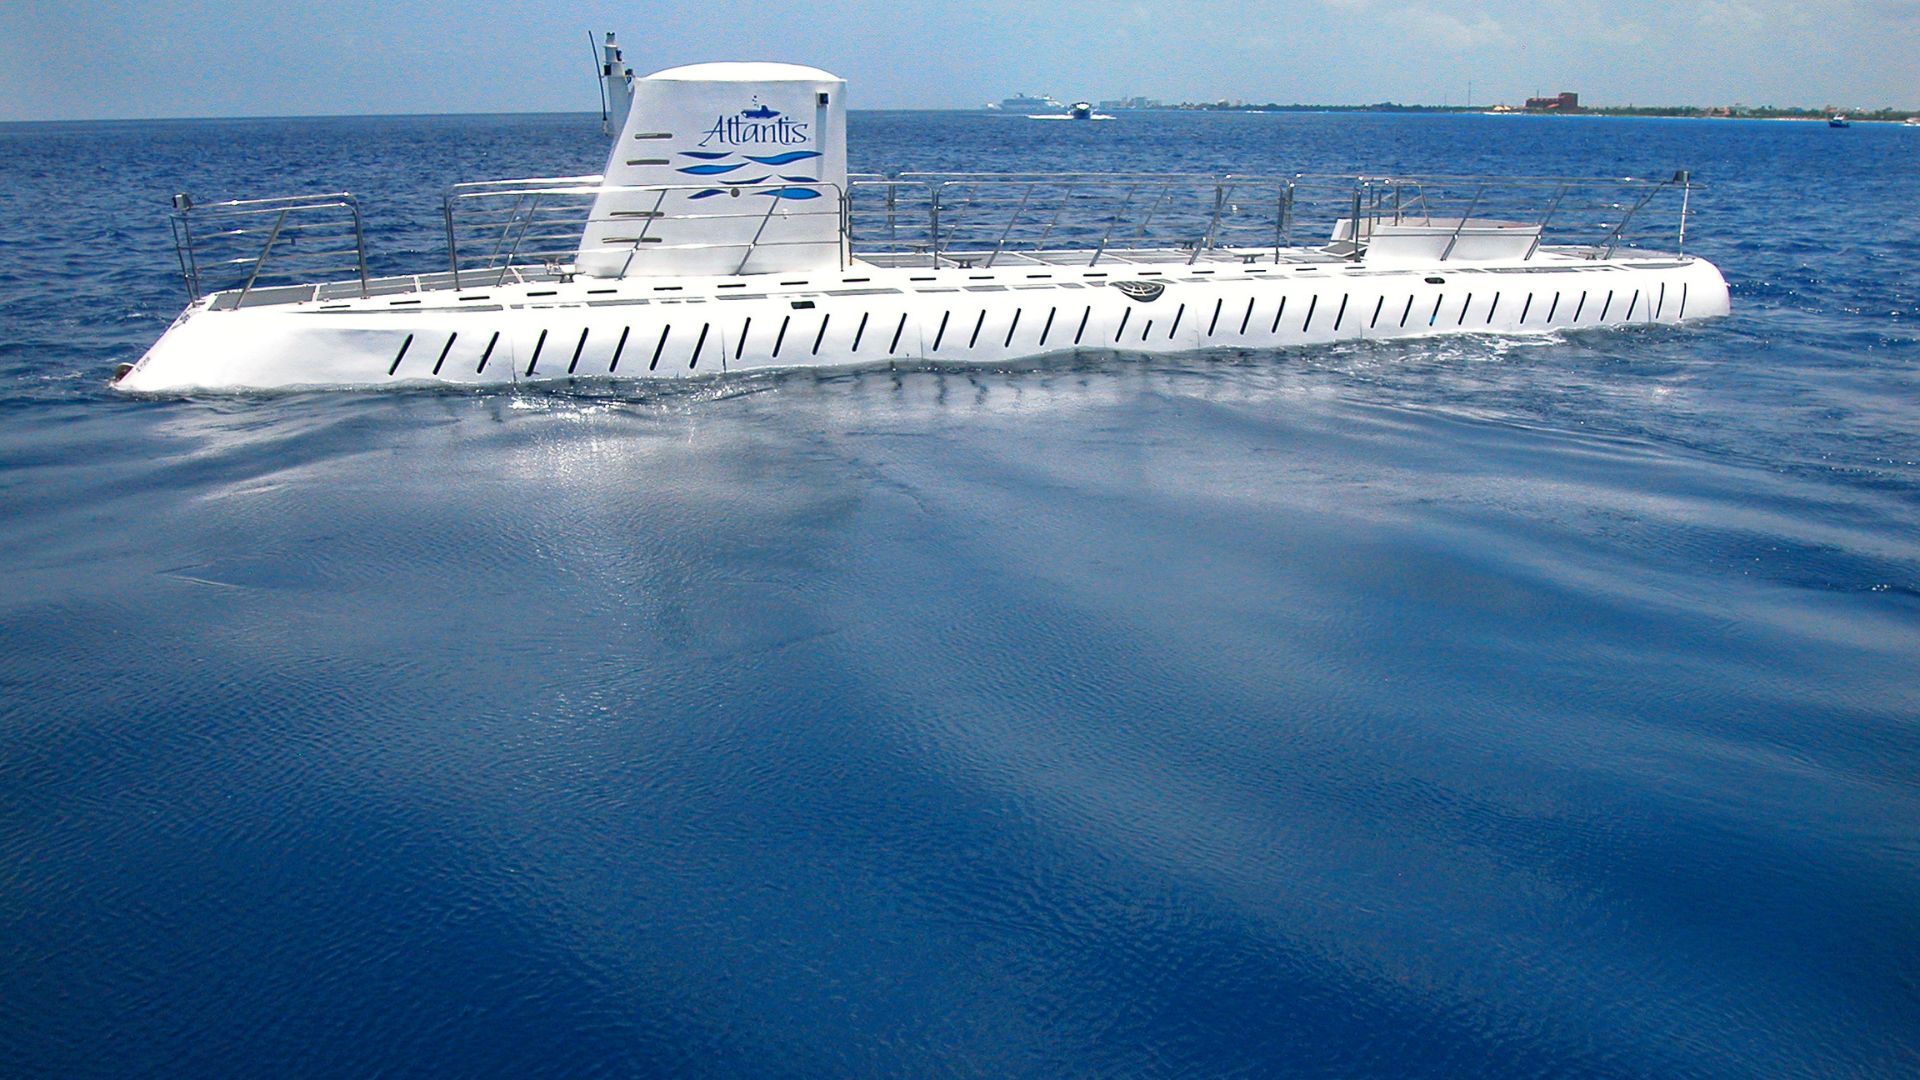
{"x":727,"y":235}
{"x":1839,"y":120}
{"x":1079,"y":110}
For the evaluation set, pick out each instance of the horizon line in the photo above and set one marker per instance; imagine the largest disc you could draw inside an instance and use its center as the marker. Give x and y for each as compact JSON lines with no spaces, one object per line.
{"x":1179,"y":106}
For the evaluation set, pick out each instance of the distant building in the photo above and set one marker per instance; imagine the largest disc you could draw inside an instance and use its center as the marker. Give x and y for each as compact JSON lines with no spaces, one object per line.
{"x":1563,"y":102}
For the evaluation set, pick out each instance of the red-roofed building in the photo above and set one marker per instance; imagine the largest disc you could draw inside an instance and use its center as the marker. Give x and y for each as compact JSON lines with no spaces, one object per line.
{"x":1564,"y":102}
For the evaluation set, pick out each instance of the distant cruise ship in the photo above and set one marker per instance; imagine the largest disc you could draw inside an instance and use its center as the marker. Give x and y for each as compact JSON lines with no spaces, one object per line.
{"x":1021,"y":103}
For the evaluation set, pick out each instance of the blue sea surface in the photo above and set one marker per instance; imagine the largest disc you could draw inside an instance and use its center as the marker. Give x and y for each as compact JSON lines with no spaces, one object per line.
{"x":1466,"y":707}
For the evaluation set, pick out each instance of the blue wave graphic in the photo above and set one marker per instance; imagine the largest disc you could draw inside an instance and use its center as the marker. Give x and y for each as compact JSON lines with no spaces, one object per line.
{"x":712,"y":170}
{"x":787,"y":158}
{"x":706,"y":155}
{"x":800,"y":179}
{"x":748,"y":180}
{"x":707,"y":194}
{"x":792,"y":193}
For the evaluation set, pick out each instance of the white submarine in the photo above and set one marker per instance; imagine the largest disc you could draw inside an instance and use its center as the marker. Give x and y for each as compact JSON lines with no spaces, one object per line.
{"x":726,"y":234}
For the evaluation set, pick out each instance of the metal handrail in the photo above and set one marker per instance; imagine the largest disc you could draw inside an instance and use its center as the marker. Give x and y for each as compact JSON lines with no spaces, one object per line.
{"x":1613,"y":238}
{"x":559,"y":211}
{"x":226,"y":243}
{"x":957,"y":206}
{"x":502,"y":228}
{"x":1558,"y":192}
{"x":983,"y":218}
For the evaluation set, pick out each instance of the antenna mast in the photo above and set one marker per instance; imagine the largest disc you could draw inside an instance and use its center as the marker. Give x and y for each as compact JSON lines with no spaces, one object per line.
{"x":616,"y":84}
{"x":601,"y":74}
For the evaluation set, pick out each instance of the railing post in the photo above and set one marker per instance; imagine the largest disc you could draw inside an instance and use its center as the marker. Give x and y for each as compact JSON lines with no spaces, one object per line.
{"x":183,"y":247}
{"x":360,"y":247}
{"x":659,"y":200}
{"x":1065,"y":197}
{"x":265,"y":250}
{"x":846,"y":226}
{"x":1357,"y":188}
{"x":533,"y":209}
{"x":1619,"y":231}
{"x":1213,"y":223}
{"x":933,"y":220}
{"x":893,"y":201}
{"x":1468,"y":216}
{"x":1108,"y":235}
{"x":1026,"y":195}
{"x":751,"y":244}
{"x":453,"y":243}
{"x":1552,"y":208}
{"x":506,"y":227}
{"x":1140,"y":238}
{"x":1283,"y":226}
{"x":1686,"y":191}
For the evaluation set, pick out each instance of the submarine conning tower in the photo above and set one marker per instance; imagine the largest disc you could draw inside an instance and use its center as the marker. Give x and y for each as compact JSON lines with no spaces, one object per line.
{"x":728,"y":168}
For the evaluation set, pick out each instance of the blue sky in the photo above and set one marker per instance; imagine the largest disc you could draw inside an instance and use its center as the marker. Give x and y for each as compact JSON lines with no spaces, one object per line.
{"x":77,"y":59}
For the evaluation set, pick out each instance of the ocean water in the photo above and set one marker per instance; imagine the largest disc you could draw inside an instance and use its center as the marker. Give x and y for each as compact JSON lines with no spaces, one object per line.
{"x":1474,"y":707}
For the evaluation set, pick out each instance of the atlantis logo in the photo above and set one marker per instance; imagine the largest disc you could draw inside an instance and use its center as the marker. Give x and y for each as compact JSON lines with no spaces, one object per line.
{"x":759,"y":125}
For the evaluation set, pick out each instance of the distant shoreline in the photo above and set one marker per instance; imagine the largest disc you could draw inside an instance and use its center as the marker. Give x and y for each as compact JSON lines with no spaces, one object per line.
{"x":1654,"y":112}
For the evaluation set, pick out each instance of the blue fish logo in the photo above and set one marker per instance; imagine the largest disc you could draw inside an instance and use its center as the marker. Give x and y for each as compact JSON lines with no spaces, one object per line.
{"x":713,"y":168}
{"x":787,"y":158}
